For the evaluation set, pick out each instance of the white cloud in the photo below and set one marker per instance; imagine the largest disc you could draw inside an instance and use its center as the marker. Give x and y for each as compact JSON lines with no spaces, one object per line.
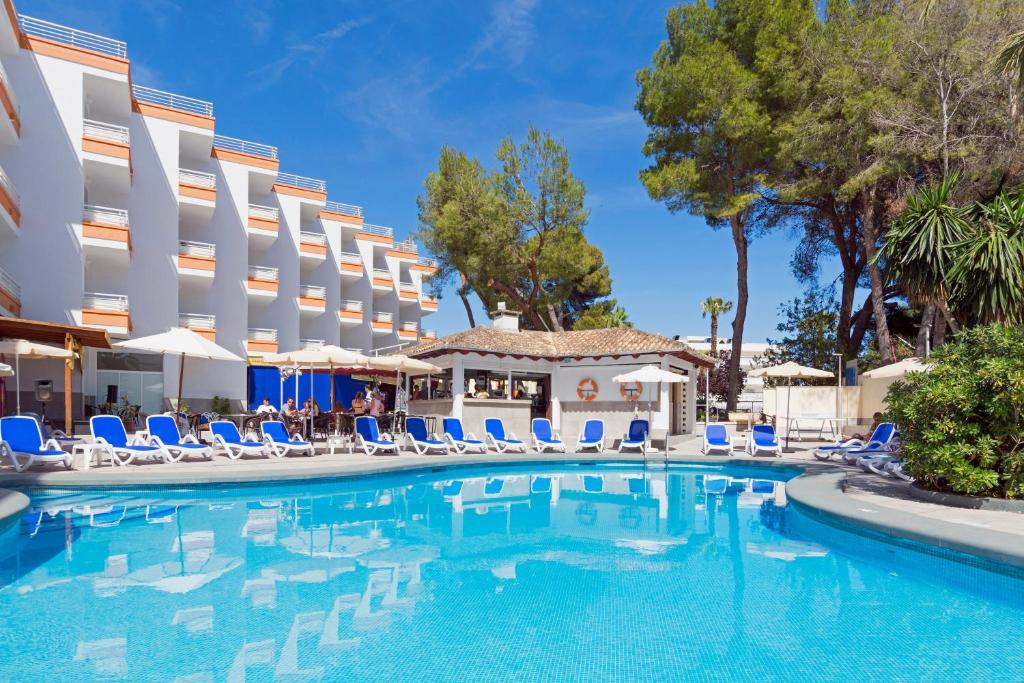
{"x":308,"y":52}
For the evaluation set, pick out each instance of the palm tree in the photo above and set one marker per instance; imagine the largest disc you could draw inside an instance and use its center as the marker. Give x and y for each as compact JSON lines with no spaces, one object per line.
{"x":714,"y":306}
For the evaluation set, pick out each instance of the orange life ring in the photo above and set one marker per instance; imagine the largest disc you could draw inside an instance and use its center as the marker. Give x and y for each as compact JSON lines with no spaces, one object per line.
{"x":586,"y":390}
{"x":631,"y":390}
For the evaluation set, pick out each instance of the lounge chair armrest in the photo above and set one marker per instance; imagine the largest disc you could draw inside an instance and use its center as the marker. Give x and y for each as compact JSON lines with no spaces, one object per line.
{"x":470,"y":435}
{"x":189,"y":438}
{"x":52,"y":445}
{"x":138,"y":439}
{"x":156,"y":441}
{"x":511,"y":435}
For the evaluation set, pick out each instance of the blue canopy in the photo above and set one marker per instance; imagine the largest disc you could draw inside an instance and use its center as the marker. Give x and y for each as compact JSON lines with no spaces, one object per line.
{"x":265,"y":382}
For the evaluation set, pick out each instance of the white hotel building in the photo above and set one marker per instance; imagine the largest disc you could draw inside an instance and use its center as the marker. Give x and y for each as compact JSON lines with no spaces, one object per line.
{"x":123,"y":208}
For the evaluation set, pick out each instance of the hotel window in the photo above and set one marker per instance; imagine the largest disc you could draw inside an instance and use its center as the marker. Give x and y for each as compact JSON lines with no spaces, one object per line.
{"x":137,"y":377}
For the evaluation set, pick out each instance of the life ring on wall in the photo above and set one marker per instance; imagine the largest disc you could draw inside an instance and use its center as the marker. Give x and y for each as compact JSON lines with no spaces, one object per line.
{"x":586,"y":390}
{"x":631,"y":390}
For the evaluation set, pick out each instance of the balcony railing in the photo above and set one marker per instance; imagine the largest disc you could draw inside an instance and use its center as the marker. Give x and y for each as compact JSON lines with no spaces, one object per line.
{"x":105,"y":215}
{"x":407,"y":245}
{"x":7,"y":86}
{"x":410,"y":326}
{"x":382,"y":317}
{"x":9,"y":187}
{"x":407,"y":286}
{"x":8,"y":284}
{"x":105,"y":302}
{"x":263,"y":273}
{"x":261,"y":334}
{"x":245,"y":147}
{"x":351,"y":305}
{"x":204,"y":249}
{"x":313,"y":291}
{"x":313,"y":238}
{"x":427,"y":261}
{"x":72,"y":36}
{"x":106,"y":131}
{"x":167,"y":99}
{"x":269,"y":213}
{"x":378,"y":229}
{"x":350,"y":257}
{"x":347,"y":209}
{"x":197,"y":320}
{"x":312,"y":343}
{"x":429,"y":333}
{"x":302,"y":181}
{"x":198,"y":178}
{"x":378,"y":272}
{"x":357,"y":349}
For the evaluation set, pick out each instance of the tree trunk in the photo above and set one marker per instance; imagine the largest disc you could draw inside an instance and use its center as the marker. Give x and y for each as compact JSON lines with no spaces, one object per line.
{"x":739,"y":238}
{"x":714,"y":335}
{"x":556,"y":323}
{"x":464,"y":295}
{"x":869,"y":235}
{"x":923,"y":330}
{"x":939,"y":330}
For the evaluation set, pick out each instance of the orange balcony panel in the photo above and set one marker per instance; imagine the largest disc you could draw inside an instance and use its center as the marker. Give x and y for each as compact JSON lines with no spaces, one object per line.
{"x":94,"y":316}
{"x":380,"y":325}
{"x":102,"y":231}
{"x":10,"y":302}
{"x":399,"y":254}
{"x":170,"y":114}
{"x":427,"y":337}
{"x":261,"y":346}
{"x":262,"y":223}
{"x":372,"y":237}
{"x":382,"y":281}
{"x":312,"y":301}
{"x":243,"y":158}
{"x":340,"y":217}
{"x":350,"y":315}
{"x":206,"y":332}
{"x":78,"y":55}
{"x":314,"y":249}
{"x":106,"y":147}
{"x":299,"y":192}
{"x":262,"y":285}
{"x":407,"y":295}
{"x":198,"y":192}
{"x":12,"y":15}
{"x":7,"y":201}
{"x":12,"y":111}
{"x":421,"y":268}
{"x":428,"y":304}
{"x":350,"y":267}
{"x":197,"y":262}
{"x":407,"y":334}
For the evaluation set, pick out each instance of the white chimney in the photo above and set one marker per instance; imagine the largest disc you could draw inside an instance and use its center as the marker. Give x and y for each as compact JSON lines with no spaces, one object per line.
{"x":504,"y":319}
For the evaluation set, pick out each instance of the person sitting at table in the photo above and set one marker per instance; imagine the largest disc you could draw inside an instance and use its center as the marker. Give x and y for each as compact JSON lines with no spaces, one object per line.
{"x":376,"y":405}
{"x":266,"y":408}
{"x":292,"y":417}
{"x":358,"y":404}
{"x":339,"y":407}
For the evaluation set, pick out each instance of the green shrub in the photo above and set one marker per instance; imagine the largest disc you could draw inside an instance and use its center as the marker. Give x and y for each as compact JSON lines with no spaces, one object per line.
{"x":220,"y":405}
{"x":962,"y":423}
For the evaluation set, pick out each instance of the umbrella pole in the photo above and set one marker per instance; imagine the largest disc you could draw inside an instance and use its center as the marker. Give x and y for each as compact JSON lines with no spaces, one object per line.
{"x":789,"y":422}
{"x":332,"y":394}
{"x":181,"y":378}
{"x":17,"y":381}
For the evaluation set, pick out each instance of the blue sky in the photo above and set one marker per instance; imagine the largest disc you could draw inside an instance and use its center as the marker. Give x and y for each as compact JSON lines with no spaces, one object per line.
{"x":363,"y":95}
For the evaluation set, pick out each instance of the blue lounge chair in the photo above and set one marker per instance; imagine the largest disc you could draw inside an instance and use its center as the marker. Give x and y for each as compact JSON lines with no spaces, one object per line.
{"x":716,"y":438}
{"x":593,"y":483}
{"x":545,"y":438}
{"x":499,"y":439}
{"x":716,"y":486}
{"x":452,"y":488}
{"x":163,"y":432}
{"x":226,"y":438}
{"x":422,"y":442}
{"x":540,"y":485}
{"x":763,"y":438}
{"x":591,"y":436}
{"x":458,"y":439}
{"x":275,"y":435}
{"x":57,"y":434}
{"x":879,"y":440}
{"x":638,"y":436}
{"x":22,"y":441}
{"x":493,"y":486}
{"x":110,"y":437}
{"x":369,"y":439}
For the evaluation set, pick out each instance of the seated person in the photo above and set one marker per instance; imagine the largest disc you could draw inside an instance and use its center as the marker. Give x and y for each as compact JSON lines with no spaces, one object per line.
{"x":266,"y":408}
{"x":358,"y":404}
{"x":376,"y":405}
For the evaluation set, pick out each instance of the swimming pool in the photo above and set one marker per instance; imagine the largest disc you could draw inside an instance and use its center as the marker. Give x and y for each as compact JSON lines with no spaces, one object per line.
{"x":575,"y":572}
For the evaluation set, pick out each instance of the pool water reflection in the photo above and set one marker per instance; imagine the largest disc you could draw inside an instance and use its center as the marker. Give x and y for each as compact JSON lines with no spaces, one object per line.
{"x":585,"y":573}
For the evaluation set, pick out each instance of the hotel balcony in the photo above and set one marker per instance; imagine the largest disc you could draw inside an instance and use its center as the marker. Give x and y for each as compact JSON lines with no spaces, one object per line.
{"x":260,"y":341}
{"x":10,"y":215}
{"x":263,"y":222}
{"x":310,"y":189}
{"x":404,"y":251}
{"x":312,"y":299}
{"x":171,"y":107}
{"x":73,"y":45}
{"x":108,"y":312}
{"x":238,"y":151}
{"x":261,"y":283}
{"x":105,"y":234}
{"x":407,"y":292}
{"x":428,"y":335}
{"x":383,"y":323}
{"x":380,"y":235}
{"x":351,"y":312}
{"x":350,"y":264}
{"x":197,"y":261}
{"x":197,"y":193}
{"x":312,"y":247}
{"x":382,"y":280}
{"x":347,"y":214}
{"x":106,"y":154}
{"x":408,"y":331}
{"x":10,"y":296}
{"x":311,"y":343}
{"x":425,"y":265}
{"x":428,"y":304}
{"x":10,"y":125}
{"x":200,"y":323}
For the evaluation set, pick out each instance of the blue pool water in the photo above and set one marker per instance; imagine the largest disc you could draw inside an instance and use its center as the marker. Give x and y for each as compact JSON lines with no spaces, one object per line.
{"x":582,"y":573}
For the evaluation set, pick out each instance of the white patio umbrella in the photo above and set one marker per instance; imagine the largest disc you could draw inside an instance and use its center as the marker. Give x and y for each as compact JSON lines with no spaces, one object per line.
{"x":22,"y":348}
{"x":900,"y":369}
{"x":649,"y":374}
{"x":180,"y":342}
{"x":317,"y":357}
{"x":790,"y":371}
{"x":401,"y":363}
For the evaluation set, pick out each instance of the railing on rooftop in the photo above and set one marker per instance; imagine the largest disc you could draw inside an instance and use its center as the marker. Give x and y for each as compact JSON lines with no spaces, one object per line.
{"x":351,"y":305}
{"x":313,"y":291}
{"x":406,"y":285}
{"x":429,"y":333}
{"x":427,"y":261}
{"x":7,"y":86}
{"x":167,"y":99}
{"x":244,"y":146}
{"x":313,"y":237}
{"x":106,"y":131}
{"x":357,"y":349}
{"x":8,"y":284}
{"x":259,"y":211}
{"x":350,"y":257}
{"x":8,"y":186}
{"x":381,"y":272}
{"x":105,"y":214}
{"x":72,"y":36}
{"x":204,"y":249}
{"x":105,"y":302}
{"x":407,"y":245}
{"x":261,"y":334}
{"x":410,"y":326}
{"x":263,"y":273}
{"x":382,"y":317}
{"x":200,"y":321}
{"x":302,"y":181}
{"x":347,"y":209}
{"x":198,"y":178}
{"x":378,"y":229}
{"x":311,"y":343}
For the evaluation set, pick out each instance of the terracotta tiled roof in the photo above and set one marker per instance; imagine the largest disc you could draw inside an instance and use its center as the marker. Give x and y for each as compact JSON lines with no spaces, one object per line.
{"x":586,"y":343}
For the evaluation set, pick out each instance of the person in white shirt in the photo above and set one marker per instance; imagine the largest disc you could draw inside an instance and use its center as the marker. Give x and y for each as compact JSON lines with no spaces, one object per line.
{"x":266,"y":408}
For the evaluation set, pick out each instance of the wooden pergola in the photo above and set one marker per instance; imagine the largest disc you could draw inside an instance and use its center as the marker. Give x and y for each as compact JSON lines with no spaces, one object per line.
{"x":71,"y":337}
